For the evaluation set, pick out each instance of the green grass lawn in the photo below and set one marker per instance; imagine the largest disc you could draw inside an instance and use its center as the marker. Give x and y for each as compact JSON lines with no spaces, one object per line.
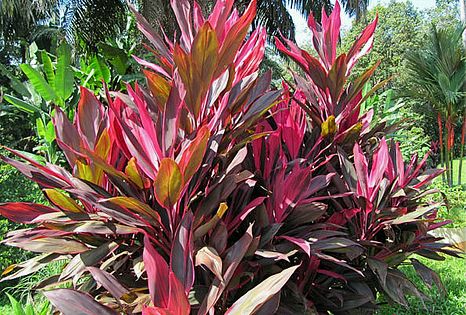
{"x":452,"y":271}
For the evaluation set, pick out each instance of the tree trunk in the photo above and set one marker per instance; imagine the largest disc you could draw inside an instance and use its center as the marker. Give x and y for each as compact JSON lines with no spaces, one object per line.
{"x":440,"y":133}
{"x":449,"y":148}
{"x":463,"y":134}
{"x":463,"y":130}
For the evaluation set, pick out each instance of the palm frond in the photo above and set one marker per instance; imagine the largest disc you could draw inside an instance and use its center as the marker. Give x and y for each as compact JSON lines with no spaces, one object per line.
{"x":438,"y":71}
{"x":19,"y":17}
{"x":274,"y":16}
{"x":93,"y":21}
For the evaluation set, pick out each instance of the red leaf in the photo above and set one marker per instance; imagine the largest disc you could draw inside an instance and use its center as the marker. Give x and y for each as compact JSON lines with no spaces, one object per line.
{"x":301,"y":243}
{"x":235,"y":37}
{"x":90,"y":114}
{"x":23,"y":212}
{"x":66,"y":133}
{"x":360,"y":164}
{"x":331,"y":27}
{"x":379,"y":164}
{"x":182,"y":253}
{"x":178,"y":301}
{"x":157,"y":275}
{"x":193,"y":155}
{"x":363,"y":44}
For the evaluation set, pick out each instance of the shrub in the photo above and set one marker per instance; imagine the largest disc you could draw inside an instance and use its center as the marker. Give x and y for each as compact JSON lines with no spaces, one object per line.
{"x":206,"y":192}
{"x":14,"y":187}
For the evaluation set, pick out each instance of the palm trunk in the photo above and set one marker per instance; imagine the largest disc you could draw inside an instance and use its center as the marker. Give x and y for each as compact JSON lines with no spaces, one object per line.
{"x":449,"y":147}
{"x":440,"y":133}
{"x":463,"y":134}
{"x":463,"y":129}
{"x":447,"y":164}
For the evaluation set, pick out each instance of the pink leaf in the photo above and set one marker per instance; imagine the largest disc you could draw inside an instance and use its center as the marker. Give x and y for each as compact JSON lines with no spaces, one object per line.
{"x":23,"y":212}
{"x":178,"y":302}
{"x":363,"y":44}
{"x":157,"y":274}
{"x":361,"y":168}
{"x":90,"y":114}
{"x":301,"y":243}
{"x":379,"y":164}
{"x":182,"y":9}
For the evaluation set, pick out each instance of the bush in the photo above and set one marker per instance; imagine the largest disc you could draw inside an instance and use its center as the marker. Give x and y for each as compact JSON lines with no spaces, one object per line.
{"x":206,"y":192}
{"x":14,"y":187}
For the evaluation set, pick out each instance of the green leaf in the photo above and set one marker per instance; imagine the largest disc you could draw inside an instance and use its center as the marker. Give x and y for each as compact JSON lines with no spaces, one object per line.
{"x":49,"y":132}
{"x":15,"y":84}
{"x":102,"y":72}
{"x":116,"y":56}
{"x":16,"y":306}
{"x":29,"y":309}
{"x":39,"y":83}
{"x":65,"y":78}
{"x":48,"y":68}
{"x":45,"y":309}
{"x":40,"y":128}
{"x":38,"y":158}
{"x":22,"y":105}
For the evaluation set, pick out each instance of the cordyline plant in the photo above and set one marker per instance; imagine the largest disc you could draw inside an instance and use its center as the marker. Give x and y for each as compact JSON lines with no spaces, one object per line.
{"x":204,"y":192}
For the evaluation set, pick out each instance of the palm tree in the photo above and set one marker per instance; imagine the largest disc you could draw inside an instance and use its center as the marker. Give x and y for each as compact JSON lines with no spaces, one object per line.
{"x":463,"y":129}
{"x":91,"y":21}
{"x":18,"y":19}
{"x":273,"y":14}
{"x":437,"y":74}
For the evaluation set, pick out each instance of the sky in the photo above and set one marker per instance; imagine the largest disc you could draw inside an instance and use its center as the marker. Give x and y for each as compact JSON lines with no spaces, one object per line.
{"x":303,"y":33}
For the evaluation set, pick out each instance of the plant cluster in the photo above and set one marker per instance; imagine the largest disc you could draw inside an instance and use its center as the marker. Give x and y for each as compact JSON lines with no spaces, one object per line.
{"x":206,"y":192}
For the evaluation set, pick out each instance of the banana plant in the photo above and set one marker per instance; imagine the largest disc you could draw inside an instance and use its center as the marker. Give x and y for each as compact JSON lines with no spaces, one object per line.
{"x":111,"y":62}
{"x":50,"y":82}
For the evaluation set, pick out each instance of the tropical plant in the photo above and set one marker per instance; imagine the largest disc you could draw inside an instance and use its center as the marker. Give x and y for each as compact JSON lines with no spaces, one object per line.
{"x":28,"y":309}
{"x":438,"y":73}
{"x":49,"y":82}
{"x":207,"y":193}
{"x":156,"y":165}
{"x":378,"y":194}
